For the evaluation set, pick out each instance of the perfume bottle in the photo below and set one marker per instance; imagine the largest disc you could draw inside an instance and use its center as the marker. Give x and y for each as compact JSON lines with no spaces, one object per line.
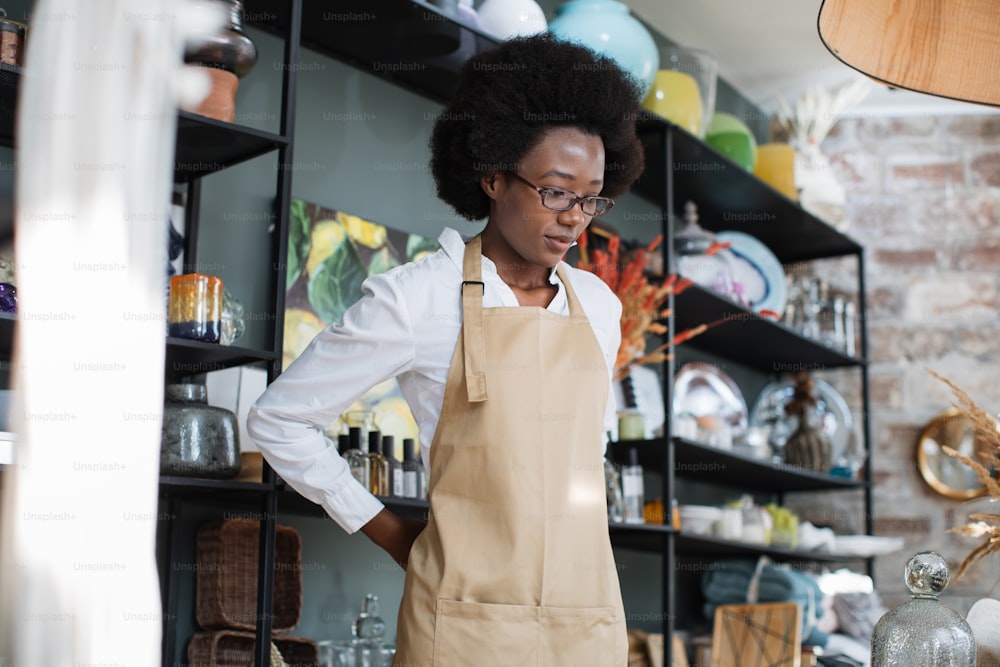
{"x":394,"y":468}
{"x":355,"y":457}
{"x":368,"y":627}
{"x":632,"y":489}
{"x":923,"y":631}
{"x":413,"y":471}
{"x":377,"y":467}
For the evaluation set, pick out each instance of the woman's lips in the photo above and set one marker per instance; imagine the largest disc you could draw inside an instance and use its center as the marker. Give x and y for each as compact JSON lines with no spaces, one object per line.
{"x":559,"y":244}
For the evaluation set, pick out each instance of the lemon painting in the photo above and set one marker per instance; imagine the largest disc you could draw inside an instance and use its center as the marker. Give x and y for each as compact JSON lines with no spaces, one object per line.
{"x":330,"y":253}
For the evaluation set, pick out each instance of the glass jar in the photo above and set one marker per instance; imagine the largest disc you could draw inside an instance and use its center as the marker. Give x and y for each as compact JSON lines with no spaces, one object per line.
{"x":697,"y":258}
{"x":923,"y":631}
{"x":195,"y":307}
{"x":198,"y":439}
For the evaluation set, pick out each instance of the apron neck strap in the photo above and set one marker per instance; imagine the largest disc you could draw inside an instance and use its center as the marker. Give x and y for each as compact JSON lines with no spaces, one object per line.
{"x":473,"y":328}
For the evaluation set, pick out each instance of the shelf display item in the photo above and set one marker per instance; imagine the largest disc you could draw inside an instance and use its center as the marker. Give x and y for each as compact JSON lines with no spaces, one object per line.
{"x":707,"y":395}
{"x":195,"y":307}
{"x":699,"y":519}
{"x":233,"y":323}
{"x":923,"y":631}
{"x":633,"y":492}
{"x":758,"y":275}
{"x":505,"y":19}
{"x":608,"y":27}
{"x":198,"y":439}
{"x":225,"y":56}
{"x":832,"y":418}
{"x":683,"y":90}
{"x":699,"y":256}
{"x":357,"y":458}
{"x":776,"y":167}
{"x":8,"y":298}
{"x":807,"y":446}
{"x":12,"y":34}
{"x":730,"y":136}
{"x":866,"y":545}
{"x":613,"y":487}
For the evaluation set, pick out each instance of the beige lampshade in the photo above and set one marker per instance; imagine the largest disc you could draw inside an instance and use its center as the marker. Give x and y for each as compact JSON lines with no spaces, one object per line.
{"x":949,"y":49}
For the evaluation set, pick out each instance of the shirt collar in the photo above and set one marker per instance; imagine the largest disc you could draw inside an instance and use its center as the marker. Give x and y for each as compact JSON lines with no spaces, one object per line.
{"x":453,"y":244}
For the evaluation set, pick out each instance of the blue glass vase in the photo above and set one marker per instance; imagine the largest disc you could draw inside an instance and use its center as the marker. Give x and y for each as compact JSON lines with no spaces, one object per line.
{"x":607,"y":27}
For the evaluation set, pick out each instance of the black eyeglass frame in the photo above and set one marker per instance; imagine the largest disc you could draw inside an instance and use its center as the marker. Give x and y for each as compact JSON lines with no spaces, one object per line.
{"x":542,"y":192}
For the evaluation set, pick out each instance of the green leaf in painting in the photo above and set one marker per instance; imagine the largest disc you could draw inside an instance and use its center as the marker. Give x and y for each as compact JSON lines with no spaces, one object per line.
{"x":417,"y":245}
{"x":298,"y":241}
{"x":382,"y":260}
{"x":336,"y":284}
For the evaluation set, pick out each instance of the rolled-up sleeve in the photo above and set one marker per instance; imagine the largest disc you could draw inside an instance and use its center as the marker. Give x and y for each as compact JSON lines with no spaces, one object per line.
{"x":374,"y":342}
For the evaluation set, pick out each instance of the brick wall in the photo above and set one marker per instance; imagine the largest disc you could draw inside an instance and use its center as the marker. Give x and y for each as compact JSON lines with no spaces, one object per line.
{"x":922,"y":197}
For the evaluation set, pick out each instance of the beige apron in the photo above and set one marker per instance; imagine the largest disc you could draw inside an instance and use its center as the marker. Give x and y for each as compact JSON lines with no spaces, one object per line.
{"x":515,"y":565}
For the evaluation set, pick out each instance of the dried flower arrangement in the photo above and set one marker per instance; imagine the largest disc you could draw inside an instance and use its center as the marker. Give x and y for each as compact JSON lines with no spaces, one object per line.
{"x":985,"y":525}
{"x":817,"y":111}
{"x":642,"y":301}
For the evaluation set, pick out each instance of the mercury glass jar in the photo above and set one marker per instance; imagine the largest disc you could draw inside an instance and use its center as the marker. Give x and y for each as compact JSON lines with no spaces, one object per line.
{"x":696,"y":258}
{"x":198,"y":439}
{"x":923,"y":631}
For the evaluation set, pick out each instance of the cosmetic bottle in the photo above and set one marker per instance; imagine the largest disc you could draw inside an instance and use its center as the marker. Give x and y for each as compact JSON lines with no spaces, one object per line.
{"x":413,"y":471}
{"x":355,"y":457}
{"x":394,"y":468}
{"x":377,"y":467}
{"x":632,"y":488}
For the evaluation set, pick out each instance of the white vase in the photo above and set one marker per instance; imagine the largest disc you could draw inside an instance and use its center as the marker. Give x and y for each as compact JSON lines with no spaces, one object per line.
{"x":820,"y":192}
{"x":511,"y":18}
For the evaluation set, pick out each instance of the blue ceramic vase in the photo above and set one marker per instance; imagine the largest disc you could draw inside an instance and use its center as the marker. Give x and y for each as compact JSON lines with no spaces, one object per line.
{"x":607,"y":27}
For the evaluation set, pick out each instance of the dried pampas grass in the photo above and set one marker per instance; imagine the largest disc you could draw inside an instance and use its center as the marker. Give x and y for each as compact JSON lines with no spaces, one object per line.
{"x":983,"y":525}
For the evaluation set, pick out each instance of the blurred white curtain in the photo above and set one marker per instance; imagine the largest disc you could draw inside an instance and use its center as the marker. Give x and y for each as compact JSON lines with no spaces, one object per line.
{"x":95,"y":151}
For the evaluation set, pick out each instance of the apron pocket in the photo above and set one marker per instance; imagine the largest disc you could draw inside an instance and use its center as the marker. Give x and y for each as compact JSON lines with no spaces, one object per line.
{"x":582,"y":637}
{"x":476,"y":633}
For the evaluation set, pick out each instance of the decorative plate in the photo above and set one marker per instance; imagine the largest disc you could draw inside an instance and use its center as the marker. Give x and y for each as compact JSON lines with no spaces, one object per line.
{"x":705,"y":392}
{"x":835,"y":420}
{"x":758,"y":270}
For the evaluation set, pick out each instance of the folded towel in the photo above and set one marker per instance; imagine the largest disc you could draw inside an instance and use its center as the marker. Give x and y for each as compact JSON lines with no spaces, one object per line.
{"x":741,"y":581}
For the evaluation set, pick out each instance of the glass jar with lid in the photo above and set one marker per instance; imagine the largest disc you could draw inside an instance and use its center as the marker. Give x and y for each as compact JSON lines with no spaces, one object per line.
{"x":696,"y":255}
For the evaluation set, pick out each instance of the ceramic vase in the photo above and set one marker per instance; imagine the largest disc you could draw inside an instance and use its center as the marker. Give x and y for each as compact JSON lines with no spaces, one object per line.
{"x":607,"y":27}
{"x":820,"y":192}
{"x":230,"y":48}
{"x":198,"y":439}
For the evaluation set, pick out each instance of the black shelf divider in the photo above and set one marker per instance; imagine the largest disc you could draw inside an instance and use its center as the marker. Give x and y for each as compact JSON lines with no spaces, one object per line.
{"x":705,"y":546}
{"x":205,"y":145}
{"x":731,"y":198}
{"x":749,"y":338}
{"x":648,"y":537}
{"x":693,"y":460}
{"x":193,"y":357}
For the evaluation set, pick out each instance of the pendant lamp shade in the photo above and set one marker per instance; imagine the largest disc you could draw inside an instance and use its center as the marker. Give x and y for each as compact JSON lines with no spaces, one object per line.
{"x":945,"y":48}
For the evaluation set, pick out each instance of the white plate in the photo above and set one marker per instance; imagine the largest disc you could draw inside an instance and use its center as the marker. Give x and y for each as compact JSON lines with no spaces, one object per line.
{"x":758,"y":270}
{"x":706,"y":392}
{"x":835,"y":420}
{"x":866,"y":545}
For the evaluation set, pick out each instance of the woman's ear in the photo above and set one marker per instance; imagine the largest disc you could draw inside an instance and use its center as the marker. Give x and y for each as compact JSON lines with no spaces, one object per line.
{"x":490,"y":184}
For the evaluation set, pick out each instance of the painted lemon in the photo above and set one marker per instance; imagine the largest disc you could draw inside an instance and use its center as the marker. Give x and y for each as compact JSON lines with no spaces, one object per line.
{"x":326,"y":237}
{"x":366,"y":233}
{"x":301,"y":327}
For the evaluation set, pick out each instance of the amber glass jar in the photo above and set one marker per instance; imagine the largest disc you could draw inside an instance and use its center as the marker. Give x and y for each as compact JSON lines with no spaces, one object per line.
{"x":195,"y":309}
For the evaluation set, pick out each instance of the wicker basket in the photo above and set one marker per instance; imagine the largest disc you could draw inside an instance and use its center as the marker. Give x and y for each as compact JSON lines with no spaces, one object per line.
{"x":226,"y":576}
{"x":232,"y":648}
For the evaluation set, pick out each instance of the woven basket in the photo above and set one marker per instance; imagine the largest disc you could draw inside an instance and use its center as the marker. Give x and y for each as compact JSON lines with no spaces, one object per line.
{"x":232,"y":648}
{"x":226,"y":576}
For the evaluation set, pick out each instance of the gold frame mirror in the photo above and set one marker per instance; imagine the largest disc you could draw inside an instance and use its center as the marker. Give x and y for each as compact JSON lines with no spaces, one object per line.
{"x":946,"y":474}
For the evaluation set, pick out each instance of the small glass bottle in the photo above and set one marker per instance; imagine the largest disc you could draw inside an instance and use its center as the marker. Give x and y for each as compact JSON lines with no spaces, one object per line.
{"x":377,"y":466}
{"x":413,"y":475}
{"x":368,"y":627}
{"x":632,"y":489}
{"x":355,"y":457}
{"x":394,"y":474}
{"x":923,"y":631}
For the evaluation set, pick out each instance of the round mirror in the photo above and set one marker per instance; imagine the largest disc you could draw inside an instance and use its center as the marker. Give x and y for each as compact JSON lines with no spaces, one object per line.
{"x":946,"y":474}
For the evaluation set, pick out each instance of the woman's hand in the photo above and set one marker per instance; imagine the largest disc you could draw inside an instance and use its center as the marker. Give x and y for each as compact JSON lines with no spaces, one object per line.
{"x":394,"y":534}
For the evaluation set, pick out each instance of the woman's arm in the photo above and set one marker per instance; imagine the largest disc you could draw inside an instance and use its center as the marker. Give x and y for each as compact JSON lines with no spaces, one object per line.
{"x":394,"y":534}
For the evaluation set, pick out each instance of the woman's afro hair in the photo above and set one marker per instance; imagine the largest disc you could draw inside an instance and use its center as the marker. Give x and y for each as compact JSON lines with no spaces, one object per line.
{"x":509,"y":96}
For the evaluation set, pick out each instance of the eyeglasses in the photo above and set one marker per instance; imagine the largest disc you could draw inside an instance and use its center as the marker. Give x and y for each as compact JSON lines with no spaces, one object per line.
{"x":557,"y":199}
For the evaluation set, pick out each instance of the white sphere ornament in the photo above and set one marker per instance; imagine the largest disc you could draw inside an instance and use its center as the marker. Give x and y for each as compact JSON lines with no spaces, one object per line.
{"x":506,"y":19}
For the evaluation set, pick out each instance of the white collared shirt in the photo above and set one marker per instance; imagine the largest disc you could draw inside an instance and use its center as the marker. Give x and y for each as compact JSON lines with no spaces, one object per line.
{"x":405,"y":326}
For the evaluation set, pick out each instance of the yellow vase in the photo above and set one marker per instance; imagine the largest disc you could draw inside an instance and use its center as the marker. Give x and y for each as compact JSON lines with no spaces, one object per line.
{"x":675,"y":96}
{"x":776,"y":167}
